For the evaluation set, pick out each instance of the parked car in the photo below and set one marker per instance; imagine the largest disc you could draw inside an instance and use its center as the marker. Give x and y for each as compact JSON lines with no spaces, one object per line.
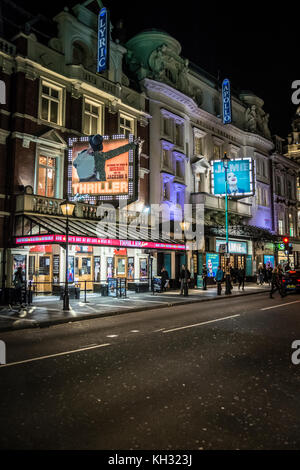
{"x":291,"y":280}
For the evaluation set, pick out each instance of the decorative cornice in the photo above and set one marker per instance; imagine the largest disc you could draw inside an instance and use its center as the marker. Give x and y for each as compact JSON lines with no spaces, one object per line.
{"x":169,"y":115}
{"x":3,"y":136}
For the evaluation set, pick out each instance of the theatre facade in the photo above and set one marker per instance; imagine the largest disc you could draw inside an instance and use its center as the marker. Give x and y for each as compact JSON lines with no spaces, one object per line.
{"x":54,"y":100}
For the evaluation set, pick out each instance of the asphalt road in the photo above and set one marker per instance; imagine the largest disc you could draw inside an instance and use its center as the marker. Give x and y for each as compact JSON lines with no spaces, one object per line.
{"x":213,"y":375}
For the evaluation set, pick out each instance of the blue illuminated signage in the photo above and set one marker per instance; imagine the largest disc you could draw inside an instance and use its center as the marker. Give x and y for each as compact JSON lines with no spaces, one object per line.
{"x":269,"y":260}
{"x":239,"y":177}
{"x":212,"y":263}
{"x":226,"y":100}
{"x":103,"y":40}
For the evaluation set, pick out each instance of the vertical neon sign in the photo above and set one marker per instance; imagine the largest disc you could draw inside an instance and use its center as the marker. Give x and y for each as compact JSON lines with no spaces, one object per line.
{"x":103,"y":40}
{"x":226,"y":99}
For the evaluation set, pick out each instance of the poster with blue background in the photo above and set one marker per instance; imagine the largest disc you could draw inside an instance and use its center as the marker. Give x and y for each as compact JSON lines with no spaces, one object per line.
{"x":239,"y":177}
{"x":212,"y":263}
{"x":269,"y":259}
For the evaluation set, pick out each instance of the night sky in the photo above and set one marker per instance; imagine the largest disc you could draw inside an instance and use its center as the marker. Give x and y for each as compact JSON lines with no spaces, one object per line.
{"x":258,"y":49}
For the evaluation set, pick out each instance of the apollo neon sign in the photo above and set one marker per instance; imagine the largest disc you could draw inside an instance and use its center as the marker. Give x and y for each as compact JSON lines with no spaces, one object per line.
{"x":226,"y":99}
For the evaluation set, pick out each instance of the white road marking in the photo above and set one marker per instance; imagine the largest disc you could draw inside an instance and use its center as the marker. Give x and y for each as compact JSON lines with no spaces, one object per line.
{"x":112,"y":336}
{"x":280,"y":305}
{"x":202,"y":323}
{"x":54,"y":355}
{"x":9,"y":317}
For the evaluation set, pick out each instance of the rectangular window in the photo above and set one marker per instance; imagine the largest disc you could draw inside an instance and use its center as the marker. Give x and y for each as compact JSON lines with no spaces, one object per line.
{"x":91,"y":118}
{"x":51,"y":103}
{"x":178,"y":137}
{"x":165,"y":154}
{"x":46,"y":176}
{"x":166,"y":127}
{"x":280,"y":227}
{"x":198,"y":145}
{"x":179,"y":169}
{"x":126,"y":125}
{"x":217,"y":152}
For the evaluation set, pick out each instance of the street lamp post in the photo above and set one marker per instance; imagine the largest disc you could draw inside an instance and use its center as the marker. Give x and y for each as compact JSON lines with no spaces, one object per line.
{"x":185,"y":226}
{"x":226,"y":161}
{"x":67,"y":208}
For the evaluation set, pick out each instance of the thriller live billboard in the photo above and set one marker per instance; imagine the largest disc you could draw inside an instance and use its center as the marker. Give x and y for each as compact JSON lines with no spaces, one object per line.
{"x":110,"y":174}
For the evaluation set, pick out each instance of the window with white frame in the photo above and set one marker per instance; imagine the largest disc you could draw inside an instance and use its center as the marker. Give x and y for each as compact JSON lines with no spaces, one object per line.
{"x":126,"y":126}
{"x":46,"y":176}
{"x":280,"y":227}
{"x":92,"y":122}
{"x":51,"y":103}
{"x":165,"y":157}
{"x":291,"y":225}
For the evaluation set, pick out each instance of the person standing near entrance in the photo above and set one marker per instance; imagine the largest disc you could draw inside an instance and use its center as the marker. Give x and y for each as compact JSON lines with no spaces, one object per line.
{"x":183,"y":278}
{"x":241,"y":278}
{"x":19,"y":284}
{"x":204,"y":277}
{"x":219,"y":279}
{"x":164,"y":279}
{"x":228,"y":279}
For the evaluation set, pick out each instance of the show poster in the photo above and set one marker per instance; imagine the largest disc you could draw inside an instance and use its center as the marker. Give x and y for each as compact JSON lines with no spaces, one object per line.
{"x":239,"y":177}
{"x":130,"y":271}
{"x":104,"y":172}
{"x":212,"y":263}
{"x":269,"y":260}
{"x":143,"y":268}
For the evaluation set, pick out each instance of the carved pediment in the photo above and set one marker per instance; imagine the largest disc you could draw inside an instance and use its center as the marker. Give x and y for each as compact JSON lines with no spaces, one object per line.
{"x":53,"y":137}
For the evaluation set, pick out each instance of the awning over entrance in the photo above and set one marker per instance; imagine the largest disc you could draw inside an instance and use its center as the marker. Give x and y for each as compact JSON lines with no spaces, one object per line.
{"x":51,"y":230}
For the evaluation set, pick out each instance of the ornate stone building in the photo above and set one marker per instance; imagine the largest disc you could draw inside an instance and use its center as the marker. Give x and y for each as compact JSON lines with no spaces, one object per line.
{"x":187,"y":134}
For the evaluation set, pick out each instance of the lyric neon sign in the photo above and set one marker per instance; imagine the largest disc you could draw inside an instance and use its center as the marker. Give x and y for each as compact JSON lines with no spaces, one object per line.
{"x":103,"y":40}
{"x":78,"y":240}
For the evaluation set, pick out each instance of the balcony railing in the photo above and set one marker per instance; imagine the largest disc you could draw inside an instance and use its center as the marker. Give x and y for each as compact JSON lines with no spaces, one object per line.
{"x":218,"y":203}
{"x":34,"y":204}
{"x":7,"y":47}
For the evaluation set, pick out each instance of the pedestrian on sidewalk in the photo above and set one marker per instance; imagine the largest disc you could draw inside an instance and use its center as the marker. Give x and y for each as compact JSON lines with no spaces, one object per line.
{"x":260,"y":275}
{"x":269,"y":274}
{"x":276,"y":284}
{"x":241,"y":277}
{"x":19,"y":285}
{"x":184,"y":279}
{"x":219,"y":279}
{"x":164,"y":279}
{"x":228,"y":284}
{"x":204,"y":277}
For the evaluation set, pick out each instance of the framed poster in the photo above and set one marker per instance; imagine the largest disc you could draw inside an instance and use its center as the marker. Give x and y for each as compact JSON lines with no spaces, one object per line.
{"x":130,"y":271}
{"x":19,"y":261}
{"x":70,"y":268}
{"x":212,"y":263}
{"x":97,"y":268}
{"x":143,"y":268}
{"x":110,"y":268}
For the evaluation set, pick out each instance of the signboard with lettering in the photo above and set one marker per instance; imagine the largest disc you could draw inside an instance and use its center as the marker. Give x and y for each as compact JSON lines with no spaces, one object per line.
{"x":239,"y":177}
{"x":109,"y":174}
{"x":103,"y":40}
{"x":226,"y":100}
{"x":234,"y":247}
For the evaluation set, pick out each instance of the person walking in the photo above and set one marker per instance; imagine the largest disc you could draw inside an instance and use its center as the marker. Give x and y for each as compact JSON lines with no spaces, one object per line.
{"x":219,"y":279}
{"x":276,"y":284}
{"x":241,"y":277}
{"x":269,"y":274}
{"x":184,"y":279}
{"x":204,"y":277}
{"x":164,"y":279}
{"x":19,"y":284}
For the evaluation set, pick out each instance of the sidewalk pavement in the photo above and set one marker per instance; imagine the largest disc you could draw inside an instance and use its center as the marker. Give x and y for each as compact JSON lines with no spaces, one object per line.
{"x":48,"y":310}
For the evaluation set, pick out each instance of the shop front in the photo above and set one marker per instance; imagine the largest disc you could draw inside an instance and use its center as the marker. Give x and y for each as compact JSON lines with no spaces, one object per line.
{"x":240,"y":254}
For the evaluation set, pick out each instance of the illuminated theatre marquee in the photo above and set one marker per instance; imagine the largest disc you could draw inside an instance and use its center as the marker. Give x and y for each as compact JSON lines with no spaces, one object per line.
{"x":79,"y":240}
{"x":110,"y":174}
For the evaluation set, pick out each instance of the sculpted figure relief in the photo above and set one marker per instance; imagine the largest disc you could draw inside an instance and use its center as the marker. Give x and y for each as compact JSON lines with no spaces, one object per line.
{"x":251,"y":118}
